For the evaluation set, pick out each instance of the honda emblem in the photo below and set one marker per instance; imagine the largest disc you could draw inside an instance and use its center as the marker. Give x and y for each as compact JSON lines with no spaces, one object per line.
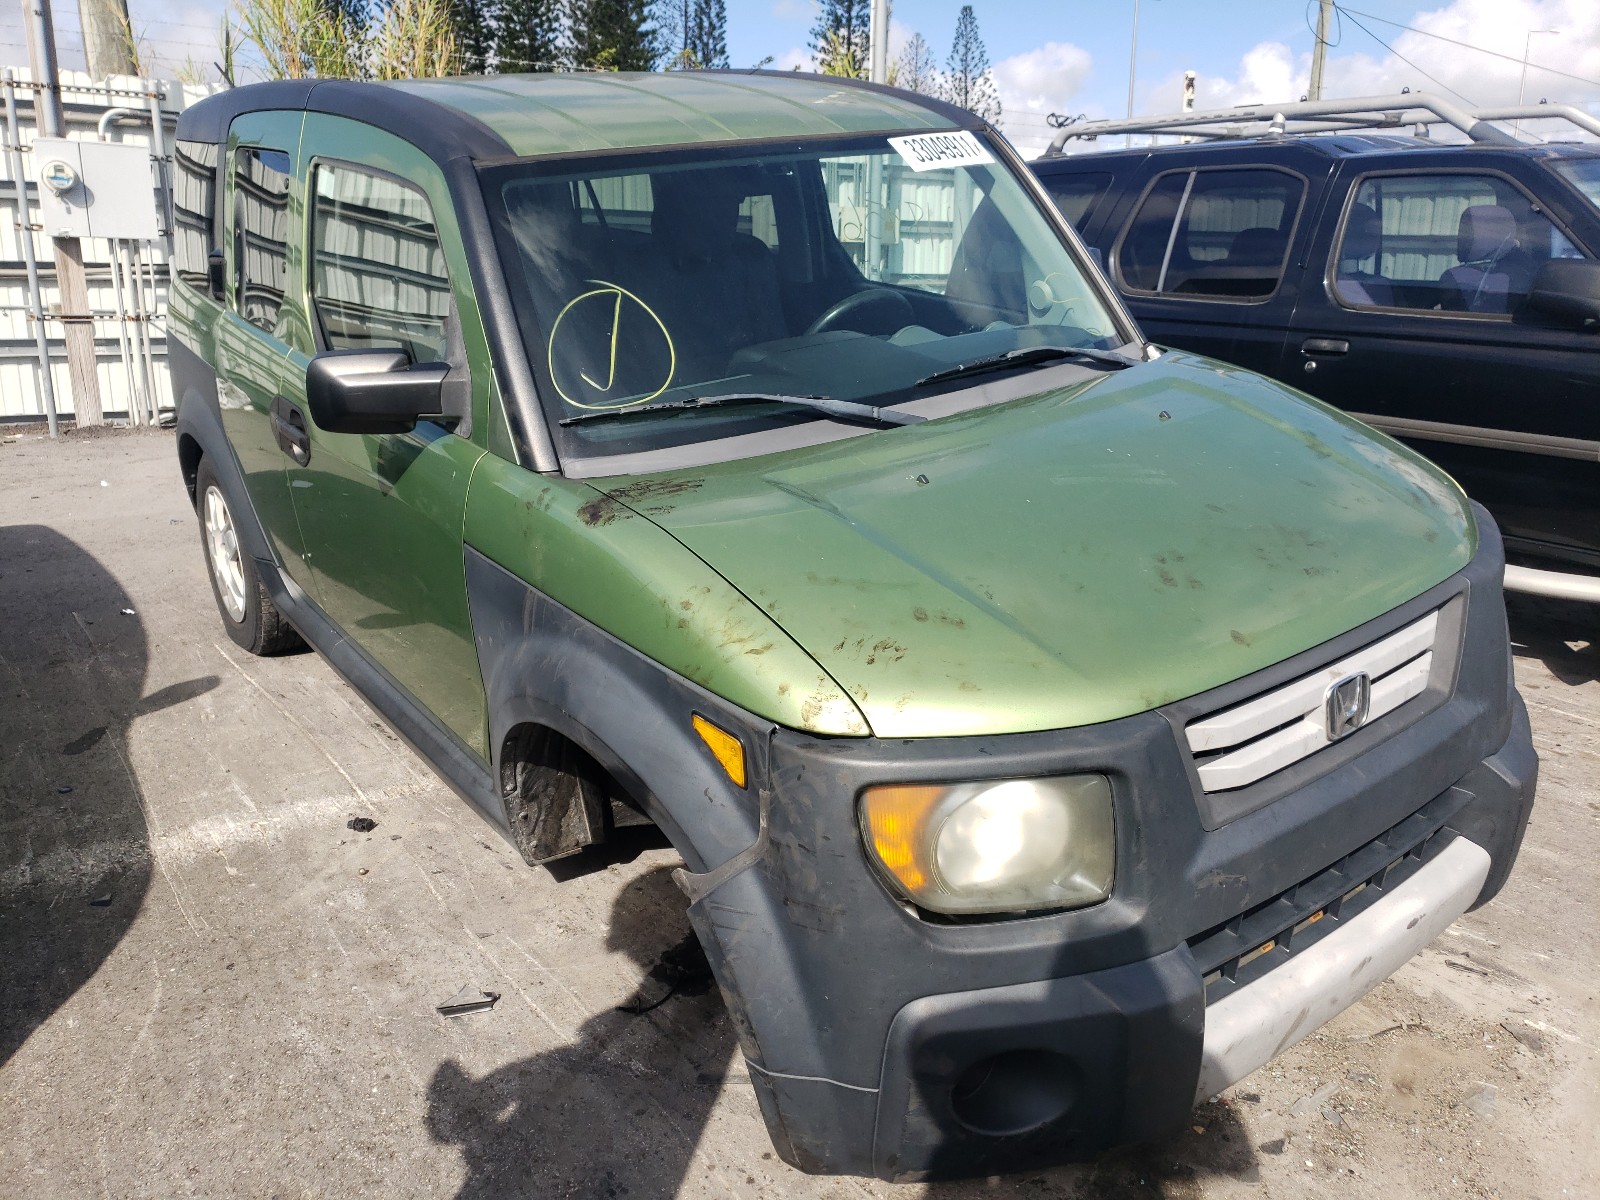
{"x":1347,"y":704}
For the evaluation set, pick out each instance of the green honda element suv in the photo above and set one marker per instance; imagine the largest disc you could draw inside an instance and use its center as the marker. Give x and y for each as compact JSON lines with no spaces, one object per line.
{"x":1054,"y":728}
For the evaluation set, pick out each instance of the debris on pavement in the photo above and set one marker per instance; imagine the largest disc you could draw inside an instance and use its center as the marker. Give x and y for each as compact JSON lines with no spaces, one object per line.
{"x":1482,"y":1101}
{"x":685,"y":971}
{"x":128,"y":612}
{"x":1526,"y":1036}
{"x":361,"y":824}
{"x":1310,"y":1104}
{"x":101,"y":901}
{"x":468,"y":1000}
{"x":64,"y":790}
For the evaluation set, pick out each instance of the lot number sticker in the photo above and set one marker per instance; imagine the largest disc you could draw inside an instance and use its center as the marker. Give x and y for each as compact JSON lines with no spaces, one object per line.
{"x":935,"y":151}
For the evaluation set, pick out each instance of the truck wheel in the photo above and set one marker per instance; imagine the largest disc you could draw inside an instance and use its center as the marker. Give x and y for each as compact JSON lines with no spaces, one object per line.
{"x":248,"y":613}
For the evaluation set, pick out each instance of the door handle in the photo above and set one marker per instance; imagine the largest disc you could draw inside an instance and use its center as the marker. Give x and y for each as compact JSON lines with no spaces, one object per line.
{"x":1325,"y":346}
{"x":289,"y":430}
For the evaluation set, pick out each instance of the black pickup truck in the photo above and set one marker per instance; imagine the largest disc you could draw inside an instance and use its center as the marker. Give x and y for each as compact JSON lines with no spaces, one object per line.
{"x":1446,"y":294}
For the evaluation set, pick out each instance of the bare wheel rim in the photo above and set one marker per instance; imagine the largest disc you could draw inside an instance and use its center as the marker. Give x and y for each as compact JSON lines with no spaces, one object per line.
{"x":222,"y":543}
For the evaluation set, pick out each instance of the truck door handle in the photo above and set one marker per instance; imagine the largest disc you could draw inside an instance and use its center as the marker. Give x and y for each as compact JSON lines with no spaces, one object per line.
{"x":289,"y":430}
{"x":1325,"y":346}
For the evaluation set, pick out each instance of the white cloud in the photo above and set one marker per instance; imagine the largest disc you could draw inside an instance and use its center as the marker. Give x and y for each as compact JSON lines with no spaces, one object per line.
{"x":1036,"y":83}
{"x":1359,"y":66}
{"x":797,"y":57}
{"x":795,"y":10}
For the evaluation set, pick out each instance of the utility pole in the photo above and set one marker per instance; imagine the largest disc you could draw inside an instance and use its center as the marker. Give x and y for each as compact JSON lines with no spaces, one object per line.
{"x":107,"y":38}
{"x":1319,"y":55}
{"x":1133,"y":67}
{"x":878,"y":42}
{"x":76,"y":322}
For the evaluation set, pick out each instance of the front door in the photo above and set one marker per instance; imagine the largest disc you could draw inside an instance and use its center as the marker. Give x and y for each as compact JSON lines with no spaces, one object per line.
{"x":252,"y":336}
{"x":382,"y":514}
{"x":1202,"y":263}
{"x":1416,"y":330}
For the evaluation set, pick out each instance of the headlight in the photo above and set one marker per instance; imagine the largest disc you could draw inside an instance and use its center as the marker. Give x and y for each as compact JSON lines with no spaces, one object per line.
{"x":999,"y":846}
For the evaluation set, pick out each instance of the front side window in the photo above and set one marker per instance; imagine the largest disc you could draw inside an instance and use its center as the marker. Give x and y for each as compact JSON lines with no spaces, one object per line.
{"x":260,"y":234}
{"x":849,"y":268}
{"x":1583,"y":174}
{"x":1213,"y":234}
{"x":1443,"y":242}
{"x":194,"y":186}
{"x":378,"y":277}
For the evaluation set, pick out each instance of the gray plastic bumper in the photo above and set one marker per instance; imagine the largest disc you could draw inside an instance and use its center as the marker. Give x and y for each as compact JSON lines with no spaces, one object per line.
{"x":1252,"y":1026}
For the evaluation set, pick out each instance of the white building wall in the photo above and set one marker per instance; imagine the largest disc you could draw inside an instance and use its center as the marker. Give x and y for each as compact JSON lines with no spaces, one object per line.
{"x":21,"y":397}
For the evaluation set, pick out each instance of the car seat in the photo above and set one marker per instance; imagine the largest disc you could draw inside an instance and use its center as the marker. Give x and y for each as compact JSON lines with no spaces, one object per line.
{"x":1363,"y":237}
{"x":1492,"y":270}
{"x":715,"y":289}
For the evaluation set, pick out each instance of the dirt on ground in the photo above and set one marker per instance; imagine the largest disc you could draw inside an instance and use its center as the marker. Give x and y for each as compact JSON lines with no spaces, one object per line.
{"x":212,"y":985}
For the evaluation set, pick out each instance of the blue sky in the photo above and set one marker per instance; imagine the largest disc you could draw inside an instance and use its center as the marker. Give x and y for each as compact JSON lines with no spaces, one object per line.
{"x":1073,"y":58}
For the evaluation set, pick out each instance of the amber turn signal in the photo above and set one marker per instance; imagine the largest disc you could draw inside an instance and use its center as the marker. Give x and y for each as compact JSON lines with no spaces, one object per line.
{"x":724,"y":747}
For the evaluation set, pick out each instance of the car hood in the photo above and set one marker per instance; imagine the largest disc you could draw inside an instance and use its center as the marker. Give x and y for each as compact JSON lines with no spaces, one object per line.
{"x":1081,"y":555}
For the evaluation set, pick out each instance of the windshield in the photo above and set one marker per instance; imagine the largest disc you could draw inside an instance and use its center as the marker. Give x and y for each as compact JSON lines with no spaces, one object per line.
{"x":849,"y":269}
{"x":1582,"y":173}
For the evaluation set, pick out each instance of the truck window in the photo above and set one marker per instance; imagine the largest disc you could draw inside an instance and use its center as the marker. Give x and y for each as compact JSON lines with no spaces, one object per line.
{"x":1077,"y":196}
{"x":378,"y":278}
{"x":194,"y":234}
{"x":1213,"y":234}
{"x":1443,"y":242}
{"x":260,"y":234}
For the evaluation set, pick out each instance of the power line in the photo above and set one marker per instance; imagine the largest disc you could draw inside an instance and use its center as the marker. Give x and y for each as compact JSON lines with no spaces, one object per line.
{"x":1465,"y":45}
{"x":1404,"y":59}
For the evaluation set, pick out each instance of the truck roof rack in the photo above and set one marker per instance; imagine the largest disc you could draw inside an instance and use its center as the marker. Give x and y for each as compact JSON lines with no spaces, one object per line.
{"x":1369,"y":113}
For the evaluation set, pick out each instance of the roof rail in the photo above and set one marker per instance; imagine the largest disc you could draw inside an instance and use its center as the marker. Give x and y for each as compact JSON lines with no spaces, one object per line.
{"x":1327,"y":116}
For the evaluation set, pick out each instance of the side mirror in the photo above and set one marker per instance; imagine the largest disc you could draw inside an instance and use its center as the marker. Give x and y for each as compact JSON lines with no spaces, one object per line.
{"x":216,"y":275}
{"x":373,"y":391}
{"x":1566,"y":290}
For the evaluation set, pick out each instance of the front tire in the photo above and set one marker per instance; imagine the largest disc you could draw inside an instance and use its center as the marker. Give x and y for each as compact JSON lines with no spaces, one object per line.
{"x":248,"y":613}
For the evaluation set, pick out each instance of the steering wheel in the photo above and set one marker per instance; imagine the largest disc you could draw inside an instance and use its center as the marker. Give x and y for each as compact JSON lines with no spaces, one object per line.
{"x":872,"y":297}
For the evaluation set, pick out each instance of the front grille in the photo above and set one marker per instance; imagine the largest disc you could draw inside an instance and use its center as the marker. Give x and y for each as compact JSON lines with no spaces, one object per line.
{"x":1241,"y":950}
{"x":1236,"y":747}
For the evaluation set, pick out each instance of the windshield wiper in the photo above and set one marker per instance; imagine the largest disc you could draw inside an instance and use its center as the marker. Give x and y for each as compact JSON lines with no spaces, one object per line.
{"x":1029,"y":356}
{"x":845,"y":410}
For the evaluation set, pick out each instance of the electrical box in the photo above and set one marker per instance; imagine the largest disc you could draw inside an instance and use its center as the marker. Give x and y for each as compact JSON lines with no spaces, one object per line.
{"x":96,"y":189}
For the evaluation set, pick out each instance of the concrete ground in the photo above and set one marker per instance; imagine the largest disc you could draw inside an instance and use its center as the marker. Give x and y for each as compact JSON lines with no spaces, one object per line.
{"x":209,"y":985}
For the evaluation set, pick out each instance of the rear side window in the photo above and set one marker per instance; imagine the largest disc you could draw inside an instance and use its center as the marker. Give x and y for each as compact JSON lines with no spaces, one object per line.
{"x":194,"y":216}
{"x":378,"y":278}
{"x":1443,"y":242}
{"x":261,"y":234}
{"x":1077,"y":196}
{"x":1215,"y":234}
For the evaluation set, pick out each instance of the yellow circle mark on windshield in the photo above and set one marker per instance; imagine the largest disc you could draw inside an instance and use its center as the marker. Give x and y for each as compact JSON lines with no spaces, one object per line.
{"x":615,"y":293}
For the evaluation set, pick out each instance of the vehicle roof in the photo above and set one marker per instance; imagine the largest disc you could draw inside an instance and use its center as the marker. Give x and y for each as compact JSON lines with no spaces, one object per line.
{"x":1324,"y":145}
{"x":558,"y":113}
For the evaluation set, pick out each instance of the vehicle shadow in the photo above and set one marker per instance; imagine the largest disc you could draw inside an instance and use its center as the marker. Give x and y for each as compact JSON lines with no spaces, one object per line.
{"x":1562,"y":634}
{"x":75,"y":860}
{"x":552,"y":1124}
{"x":620,"y":1111}
{"x":1217,"y":1145}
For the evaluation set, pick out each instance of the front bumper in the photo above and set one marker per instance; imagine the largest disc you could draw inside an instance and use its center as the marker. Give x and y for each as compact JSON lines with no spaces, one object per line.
{"x":1080,"y":1064}
{"x":882,"y":1042}
{"x":1248,"y":1028}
